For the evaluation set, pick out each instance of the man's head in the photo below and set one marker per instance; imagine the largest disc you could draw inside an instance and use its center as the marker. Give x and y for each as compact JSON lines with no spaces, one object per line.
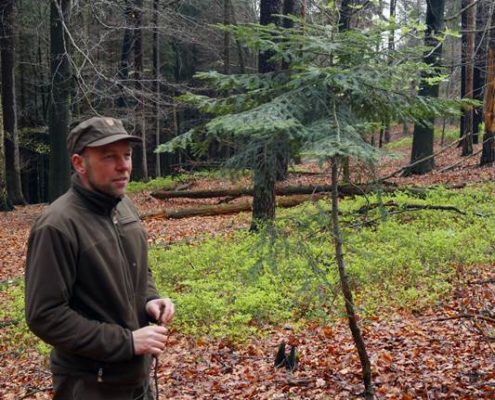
{"x":101,"y":153}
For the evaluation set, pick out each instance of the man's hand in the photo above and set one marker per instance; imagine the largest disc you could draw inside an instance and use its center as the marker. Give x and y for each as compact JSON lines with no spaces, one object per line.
{"x":161,"y":310}
{"x":149,"y":340}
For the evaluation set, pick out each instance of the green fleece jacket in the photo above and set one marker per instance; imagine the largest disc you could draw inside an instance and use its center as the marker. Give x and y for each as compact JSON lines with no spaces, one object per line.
{"x":87,"y":283}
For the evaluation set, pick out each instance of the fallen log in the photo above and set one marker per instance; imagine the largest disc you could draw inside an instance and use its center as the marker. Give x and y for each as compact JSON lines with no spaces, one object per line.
{"x":280,"y":191}
{"x":221,"y":209}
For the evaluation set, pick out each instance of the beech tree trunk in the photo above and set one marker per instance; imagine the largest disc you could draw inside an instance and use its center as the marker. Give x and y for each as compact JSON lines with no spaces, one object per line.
{"x":488,"y":153}
{"x":59,"y":174}
{"x":346,"y":290}
{"x":12,"y":156}
{"x":423,"y":135}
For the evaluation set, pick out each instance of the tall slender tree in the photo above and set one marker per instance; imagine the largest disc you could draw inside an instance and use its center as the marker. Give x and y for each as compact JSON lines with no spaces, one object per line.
{"x":5,"y":204}
{"x":423,"y":137}
{"x":59,"y":174}
{"x":140,"y":169}
{"x":488,"y":152}
{"x":156,"y":82}
{"x":12,"y":156}
{"x":127,"y":44}
{"x":479,"y":73}
{"x":467,"y":74}
{"x":385,"y":137}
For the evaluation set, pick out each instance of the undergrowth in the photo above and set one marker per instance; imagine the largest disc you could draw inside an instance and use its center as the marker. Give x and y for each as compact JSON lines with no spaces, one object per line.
{"x":396,"y":258}
{"x":237,"y":286}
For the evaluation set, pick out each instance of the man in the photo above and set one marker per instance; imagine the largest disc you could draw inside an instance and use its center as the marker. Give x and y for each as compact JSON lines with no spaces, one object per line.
{"x":89,"y":291}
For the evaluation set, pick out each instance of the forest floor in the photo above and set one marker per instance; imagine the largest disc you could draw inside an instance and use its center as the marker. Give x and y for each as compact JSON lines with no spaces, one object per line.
{"x":439,"y":354}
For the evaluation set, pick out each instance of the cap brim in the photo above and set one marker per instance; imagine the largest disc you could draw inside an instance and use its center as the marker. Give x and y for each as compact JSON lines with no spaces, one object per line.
{"x":115,"y":138}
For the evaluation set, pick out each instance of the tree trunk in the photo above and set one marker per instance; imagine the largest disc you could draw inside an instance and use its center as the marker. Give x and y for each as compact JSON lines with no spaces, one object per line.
{"x":59,"y":174}
{"x":480,"y":56}
{"x":222,"y":209}
{"x":264,"y":166}
{"x":423,"y":135}
{"x":240,"y":53}
{"x":347,"y":189}
{"x":226,"y":37}
{"x":488,"y":153}
{"x":268,"y":11}
{"x":345,"y":15}
{"x":140,"y":169}
{"x":5,"y":203}
{"x":12,"y":156}
{"x":264,"y":189}
{"x":156,"y":84}
{"x":385,"y":138}
{"x":467,"y":66}
{"x":127,"y":44}
{"x":346,"y":290}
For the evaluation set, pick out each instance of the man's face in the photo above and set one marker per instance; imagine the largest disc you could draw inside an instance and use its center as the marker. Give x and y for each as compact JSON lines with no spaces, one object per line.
{"x":105,"y":168}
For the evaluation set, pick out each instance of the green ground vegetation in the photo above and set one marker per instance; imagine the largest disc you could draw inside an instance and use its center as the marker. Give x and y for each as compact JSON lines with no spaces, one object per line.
{"x":240,"y":285}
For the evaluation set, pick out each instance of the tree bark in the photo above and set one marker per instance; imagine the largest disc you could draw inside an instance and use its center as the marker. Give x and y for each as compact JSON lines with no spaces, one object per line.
{"x":467,"y":66}
{"x":12,"y":156}
{"x":127,"y":45}
{"x":5,"y":203}
{"x":264,"y":188}
{"x":423,"y":136}
{"x":345,"y":15}
{"x":480,"y":57}
{"x":226,"y":37}
{"x":346,"y":290}
{"x":222,"y":209}
{"x":140,"y":169}
{"x":488,"y":153}
{"x":264,"y":166}
{"x":385,"y":138}
{"x":284,"y":191}
{"x":59,"y":174}
{"x":156,"y":83}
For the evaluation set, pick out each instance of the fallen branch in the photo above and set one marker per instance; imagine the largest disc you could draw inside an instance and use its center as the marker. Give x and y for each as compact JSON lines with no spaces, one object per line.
{"x":347,"y":189}
{"x":412,"y":207}
{"x":481,"y":282}
{"x":449,"y":167}
{"x":464,"y":316}
{"x":222,"y":209}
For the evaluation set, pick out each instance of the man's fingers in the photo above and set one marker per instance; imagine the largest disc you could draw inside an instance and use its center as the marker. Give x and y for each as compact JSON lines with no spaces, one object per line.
{"x":168,"y":312}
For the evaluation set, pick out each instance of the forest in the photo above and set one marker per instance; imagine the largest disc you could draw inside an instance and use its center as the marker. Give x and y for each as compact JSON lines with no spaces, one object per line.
{"x":315,"y":180}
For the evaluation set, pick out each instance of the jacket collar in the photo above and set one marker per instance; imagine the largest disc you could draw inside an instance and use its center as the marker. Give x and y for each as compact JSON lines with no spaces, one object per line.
{"x":97,"y":201}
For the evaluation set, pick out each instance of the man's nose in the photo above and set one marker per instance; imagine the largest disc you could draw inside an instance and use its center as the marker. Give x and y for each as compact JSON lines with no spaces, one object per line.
{"x":123,"y":163}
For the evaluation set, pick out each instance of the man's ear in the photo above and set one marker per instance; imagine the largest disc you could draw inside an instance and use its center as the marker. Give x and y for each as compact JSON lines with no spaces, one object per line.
{"x":78,"y":164}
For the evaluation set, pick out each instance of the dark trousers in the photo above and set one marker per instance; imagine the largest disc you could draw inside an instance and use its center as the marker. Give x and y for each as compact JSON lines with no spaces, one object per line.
{"x":74,"y":388}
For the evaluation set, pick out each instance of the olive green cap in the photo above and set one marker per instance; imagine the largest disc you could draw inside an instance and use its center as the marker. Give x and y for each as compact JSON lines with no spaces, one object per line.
{"x":97,"y":131}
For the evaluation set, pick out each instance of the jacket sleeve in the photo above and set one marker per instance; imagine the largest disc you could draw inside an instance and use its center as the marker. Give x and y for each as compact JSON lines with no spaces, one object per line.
{"x":50,"y":275}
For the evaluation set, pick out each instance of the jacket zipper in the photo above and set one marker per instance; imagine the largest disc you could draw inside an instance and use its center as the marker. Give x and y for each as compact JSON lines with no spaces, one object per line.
{"x":127,"y":273}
